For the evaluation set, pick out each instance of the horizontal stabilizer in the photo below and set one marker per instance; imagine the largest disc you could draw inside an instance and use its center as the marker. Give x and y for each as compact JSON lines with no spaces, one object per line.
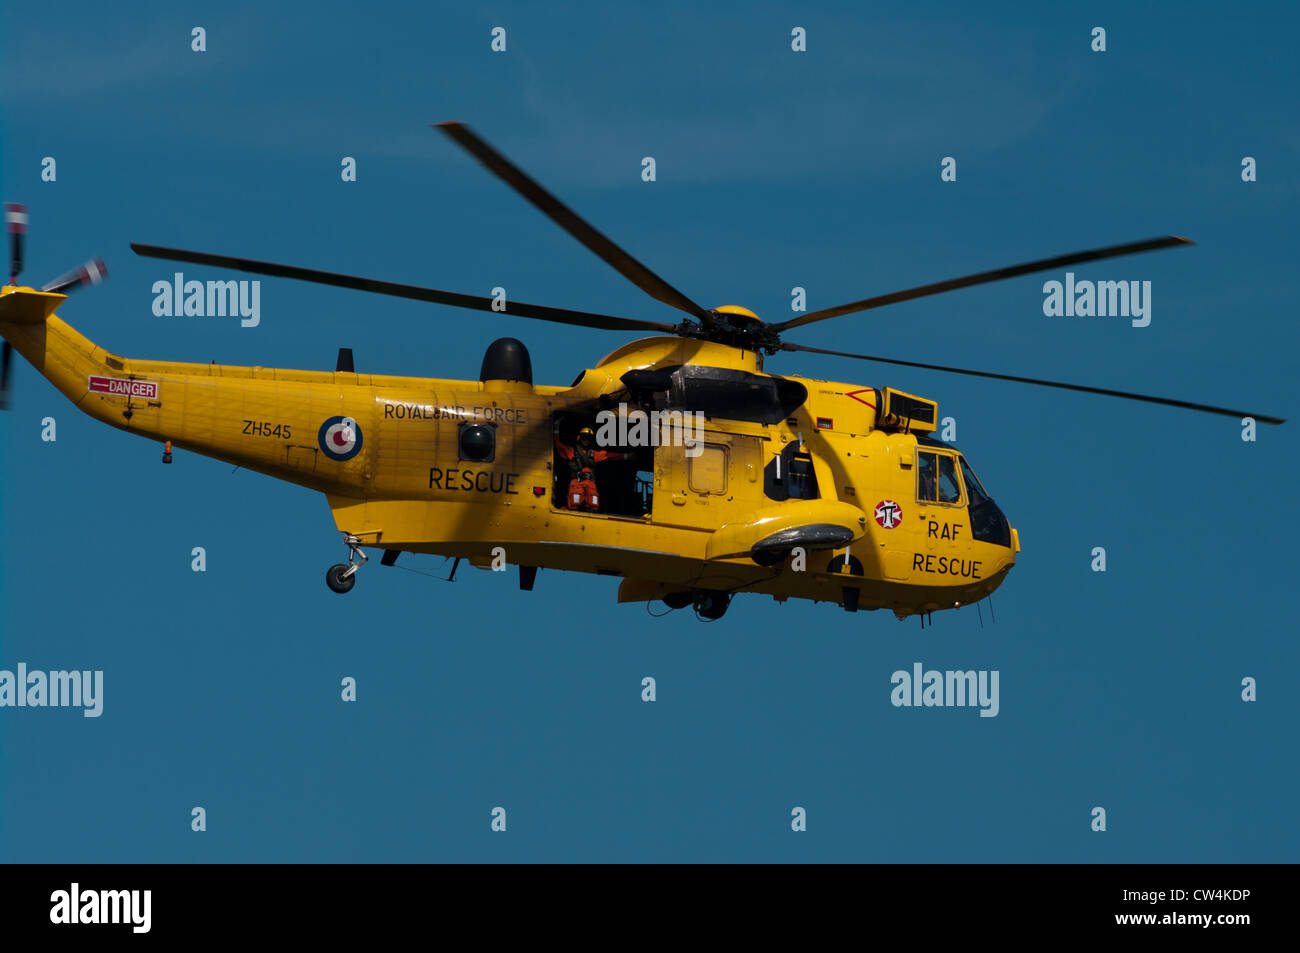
{"x":24,"y":306}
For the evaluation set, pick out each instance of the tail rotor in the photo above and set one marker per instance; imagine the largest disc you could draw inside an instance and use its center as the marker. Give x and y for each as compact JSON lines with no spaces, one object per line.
{"x":91,"y":272}
{"x":16,"y":226}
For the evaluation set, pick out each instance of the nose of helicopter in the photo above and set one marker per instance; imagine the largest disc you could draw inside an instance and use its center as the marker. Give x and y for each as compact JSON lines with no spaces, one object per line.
{"x":988,"y":524}
{"x":998,"y":540}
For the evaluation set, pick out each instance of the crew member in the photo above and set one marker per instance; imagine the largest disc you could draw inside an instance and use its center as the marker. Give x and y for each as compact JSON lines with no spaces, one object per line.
{"x":925,"y":486}
{"x":583,"y":457}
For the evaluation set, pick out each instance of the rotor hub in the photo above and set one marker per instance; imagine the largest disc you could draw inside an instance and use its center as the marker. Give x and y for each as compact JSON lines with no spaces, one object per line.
{"x":734,"y":326}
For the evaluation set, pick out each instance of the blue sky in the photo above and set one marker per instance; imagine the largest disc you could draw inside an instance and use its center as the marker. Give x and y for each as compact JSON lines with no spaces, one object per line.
{"x":775,"y":169}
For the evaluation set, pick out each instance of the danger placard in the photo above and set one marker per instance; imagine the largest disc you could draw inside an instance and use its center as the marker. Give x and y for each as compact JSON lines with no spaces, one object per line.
{"x":124,"y":388}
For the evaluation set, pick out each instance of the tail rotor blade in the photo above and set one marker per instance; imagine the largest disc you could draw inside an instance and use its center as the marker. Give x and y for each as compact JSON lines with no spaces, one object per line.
{"x":92,"y":272}
{"x":5,"y":354}
{"x":16,"y":225}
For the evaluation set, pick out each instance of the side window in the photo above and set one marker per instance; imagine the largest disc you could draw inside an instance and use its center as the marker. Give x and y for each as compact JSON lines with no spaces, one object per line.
{"x":949,"y":488}
{"x":803,"y":482}
{"x":926,"y":484}
{"x":790,"y":475}
{"x":707,"y":472}
{"x":936,"y":478}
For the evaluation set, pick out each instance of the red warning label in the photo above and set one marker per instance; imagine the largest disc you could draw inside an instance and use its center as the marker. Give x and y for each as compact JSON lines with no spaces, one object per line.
{"x":116,"y":385}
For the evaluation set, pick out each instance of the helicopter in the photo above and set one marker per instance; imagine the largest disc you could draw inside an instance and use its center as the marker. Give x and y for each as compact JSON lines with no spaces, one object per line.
{"x":710,"y":476}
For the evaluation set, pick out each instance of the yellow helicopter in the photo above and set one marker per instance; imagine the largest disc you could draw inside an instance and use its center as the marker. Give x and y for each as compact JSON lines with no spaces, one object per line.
{"x":676,"y":462}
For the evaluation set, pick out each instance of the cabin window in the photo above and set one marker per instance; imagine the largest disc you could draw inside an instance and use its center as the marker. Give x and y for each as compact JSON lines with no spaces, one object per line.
{"x":936,"y":478}
{"x":803,"y":484}
{"x":707,"y":472}
{"x":789,"y":475}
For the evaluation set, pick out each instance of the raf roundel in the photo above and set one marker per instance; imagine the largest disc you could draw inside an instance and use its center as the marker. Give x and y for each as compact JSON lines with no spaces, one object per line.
{"x":888,"y":514}
{"x":340,"y":438}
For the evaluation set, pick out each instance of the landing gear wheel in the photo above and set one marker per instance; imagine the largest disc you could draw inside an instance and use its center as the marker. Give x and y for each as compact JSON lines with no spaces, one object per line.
{"x":678,"y":600}
{"x":342,"y":577}
{"x":336,"y":580}
{"x":711,"y":605}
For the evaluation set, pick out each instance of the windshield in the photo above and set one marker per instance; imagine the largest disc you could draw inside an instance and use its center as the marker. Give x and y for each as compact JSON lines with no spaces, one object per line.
{"x":987,"y":522}
{"x":975,"y":493}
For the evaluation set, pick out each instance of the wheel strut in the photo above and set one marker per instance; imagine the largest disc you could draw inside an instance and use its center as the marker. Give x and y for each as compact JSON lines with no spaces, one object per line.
{"x":341,"y":578}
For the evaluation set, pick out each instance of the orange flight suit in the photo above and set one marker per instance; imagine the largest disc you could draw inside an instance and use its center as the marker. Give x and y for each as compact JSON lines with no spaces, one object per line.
{"x":582,"y":487}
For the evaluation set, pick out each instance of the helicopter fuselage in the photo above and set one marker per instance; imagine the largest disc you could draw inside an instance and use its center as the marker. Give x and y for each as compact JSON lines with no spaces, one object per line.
{"x":830,"y":502}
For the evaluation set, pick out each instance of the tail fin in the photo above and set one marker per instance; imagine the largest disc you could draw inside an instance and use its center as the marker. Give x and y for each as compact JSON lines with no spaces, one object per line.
{"x":24,"y":306}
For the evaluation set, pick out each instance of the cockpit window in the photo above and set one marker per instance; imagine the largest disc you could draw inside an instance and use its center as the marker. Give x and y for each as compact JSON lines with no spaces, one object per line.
{"x":974,"y":489}
{"x":936,"y":478}
{"x":949,"y":488}
{"x":988,"y":524}
{"x":925,"y":485}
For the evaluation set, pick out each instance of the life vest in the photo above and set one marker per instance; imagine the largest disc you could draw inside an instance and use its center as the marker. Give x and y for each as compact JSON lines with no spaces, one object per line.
{"x":582,"y":460}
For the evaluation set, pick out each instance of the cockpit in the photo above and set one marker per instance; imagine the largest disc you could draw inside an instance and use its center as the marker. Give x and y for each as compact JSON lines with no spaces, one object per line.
{"x":937,"y":482}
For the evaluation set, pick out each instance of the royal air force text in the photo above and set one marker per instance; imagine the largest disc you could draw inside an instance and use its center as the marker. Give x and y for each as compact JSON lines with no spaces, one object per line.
{"x":499,"y":415}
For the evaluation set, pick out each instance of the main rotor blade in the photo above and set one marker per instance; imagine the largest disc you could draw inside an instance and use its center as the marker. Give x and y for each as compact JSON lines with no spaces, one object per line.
{"x":571,"y":222}
{"x":1046,"y":264}
{"x":585,"y":319}
{"x":1206,"y":408}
